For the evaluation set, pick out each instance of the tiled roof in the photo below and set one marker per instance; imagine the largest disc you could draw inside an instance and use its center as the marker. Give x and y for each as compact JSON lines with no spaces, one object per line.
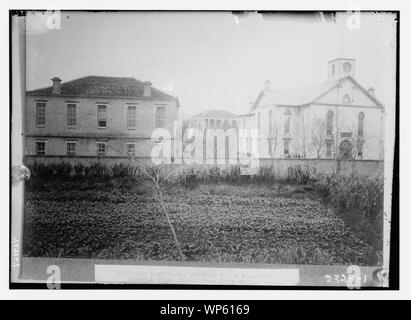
{"x":215,"y":114}
{"x":98,"y":86}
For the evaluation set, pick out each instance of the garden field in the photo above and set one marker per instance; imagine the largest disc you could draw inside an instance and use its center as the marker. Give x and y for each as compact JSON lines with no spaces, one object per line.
{"x":250,"y":223}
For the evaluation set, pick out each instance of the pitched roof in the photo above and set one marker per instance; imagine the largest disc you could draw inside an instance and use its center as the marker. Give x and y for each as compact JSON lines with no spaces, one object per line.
{"x":215,"y":114}
{"x":98,"y":86}
{"x":303,"y":96}
{"x":295,"y":97}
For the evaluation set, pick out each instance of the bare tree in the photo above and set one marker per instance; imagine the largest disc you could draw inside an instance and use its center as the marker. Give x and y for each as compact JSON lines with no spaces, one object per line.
{"x":345,"y":140}
{"x":301,"y":132}
{"x":154,"y":178}
{"x":349,"y":142}
{"x":318,"y":136}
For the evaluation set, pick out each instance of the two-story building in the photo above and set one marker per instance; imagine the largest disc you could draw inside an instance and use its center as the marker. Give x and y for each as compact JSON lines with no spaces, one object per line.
{"x":214,"y":126}
{"x":96,"y":117}
{"x":213,"y":119}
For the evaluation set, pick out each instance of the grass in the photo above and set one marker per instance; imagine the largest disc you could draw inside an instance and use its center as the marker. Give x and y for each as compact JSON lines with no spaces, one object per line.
{"x":214,"y":222}
{"x":359,"y":202}
{"x":220,"y":215}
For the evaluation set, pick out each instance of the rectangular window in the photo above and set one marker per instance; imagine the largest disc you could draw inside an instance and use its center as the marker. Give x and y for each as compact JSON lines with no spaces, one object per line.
{"x":71,"y":148}
{"x":40,"y":148}
{"x":131,"y":117}
{"x":160,"y":117}
{"x":330,"y":116}
{"x":102,"y":116}
{"x":287,"y":119}
{"x":131,"y":149}
{"x":41,"y":114}
{"x":101,"y":149}
{"x":270,"y":146}
{"x":329,"y":130}
{"x":270,"y":124}
{"x":328,"y":152}
{"x":71,"y":115}
{"x":361,"y":124}
{"x":249,"y":145}
{"x":286,"y":147}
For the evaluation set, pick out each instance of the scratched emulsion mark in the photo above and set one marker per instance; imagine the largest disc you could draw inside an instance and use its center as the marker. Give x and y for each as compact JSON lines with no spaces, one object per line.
{"x":19,"y":173}
{"x":277,"y":16}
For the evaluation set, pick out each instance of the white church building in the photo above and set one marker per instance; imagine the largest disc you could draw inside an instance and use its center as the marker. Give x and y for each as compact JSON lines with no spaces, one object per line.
{"x":336,"y":119}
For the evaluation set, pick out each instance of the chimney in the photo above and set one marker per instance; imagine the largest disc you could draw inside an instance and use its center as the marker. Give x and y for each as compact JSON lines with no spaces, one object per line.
{"x":371,"y":91}
{"x":147,"y":89}
{"x":267,"y":85}
{"x":56,"y":85}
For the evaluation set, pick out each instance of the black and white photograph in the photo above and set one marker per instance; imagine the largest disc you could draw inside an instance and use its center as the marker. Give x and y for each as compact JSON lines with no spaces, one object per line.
{"x":213,"y":148}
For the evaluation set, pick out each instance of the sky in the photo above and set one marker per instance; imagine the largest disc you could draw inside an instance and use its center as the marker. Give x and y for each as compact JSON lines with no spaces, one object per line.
{"x":210,"y":60}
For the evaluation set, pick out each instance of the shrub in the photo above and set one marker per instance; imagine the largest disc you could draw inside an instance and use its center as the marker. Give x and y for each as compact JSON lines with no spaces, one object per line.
{"x":120,"y":170}
{"x":300,"y":174}
{"x":99,"y":172}
{"x":364,"y":194}
{"x":360,"y":203}
{"x":231,"y":174}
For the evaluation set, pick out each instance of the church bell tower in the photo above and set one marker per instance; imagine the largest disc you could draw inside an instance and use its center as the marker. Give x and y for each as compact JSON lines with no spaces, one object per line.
{"x":340,"y":68}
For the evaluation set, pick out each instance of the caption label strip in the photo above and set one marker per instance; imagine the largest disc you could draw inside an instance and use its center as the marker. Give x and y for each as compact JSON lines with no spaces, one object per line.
{"x":195,"y":275}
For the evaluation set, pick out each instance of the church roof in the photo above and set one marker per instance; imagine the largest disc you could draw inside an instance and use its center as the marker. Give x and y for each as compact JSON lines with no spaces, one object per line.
{"x":304,"y":96}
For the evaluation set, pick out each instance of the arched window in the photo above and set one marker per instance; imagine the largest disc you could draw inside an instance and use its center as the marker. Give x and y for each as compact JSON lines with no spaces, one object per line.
{"x":270,"y":123}
{"x":233,"y":124}
{"x":206,"y":123}
{"x":361,"y":124}
{"x":218,"y":123}
{"x":212,"y":123}
{"x":287,"y":115}
{"x":226,"y":125}
{"x":360,"y":149}
{"x":330,"y":116}
{"x":287,"y":148}
{"x":346,"y":99}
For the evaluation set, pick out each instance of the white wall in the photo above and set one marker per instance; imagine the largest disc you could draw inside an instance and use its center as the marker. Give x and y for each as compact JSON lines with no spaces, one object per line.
{"x":345,"y":120}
